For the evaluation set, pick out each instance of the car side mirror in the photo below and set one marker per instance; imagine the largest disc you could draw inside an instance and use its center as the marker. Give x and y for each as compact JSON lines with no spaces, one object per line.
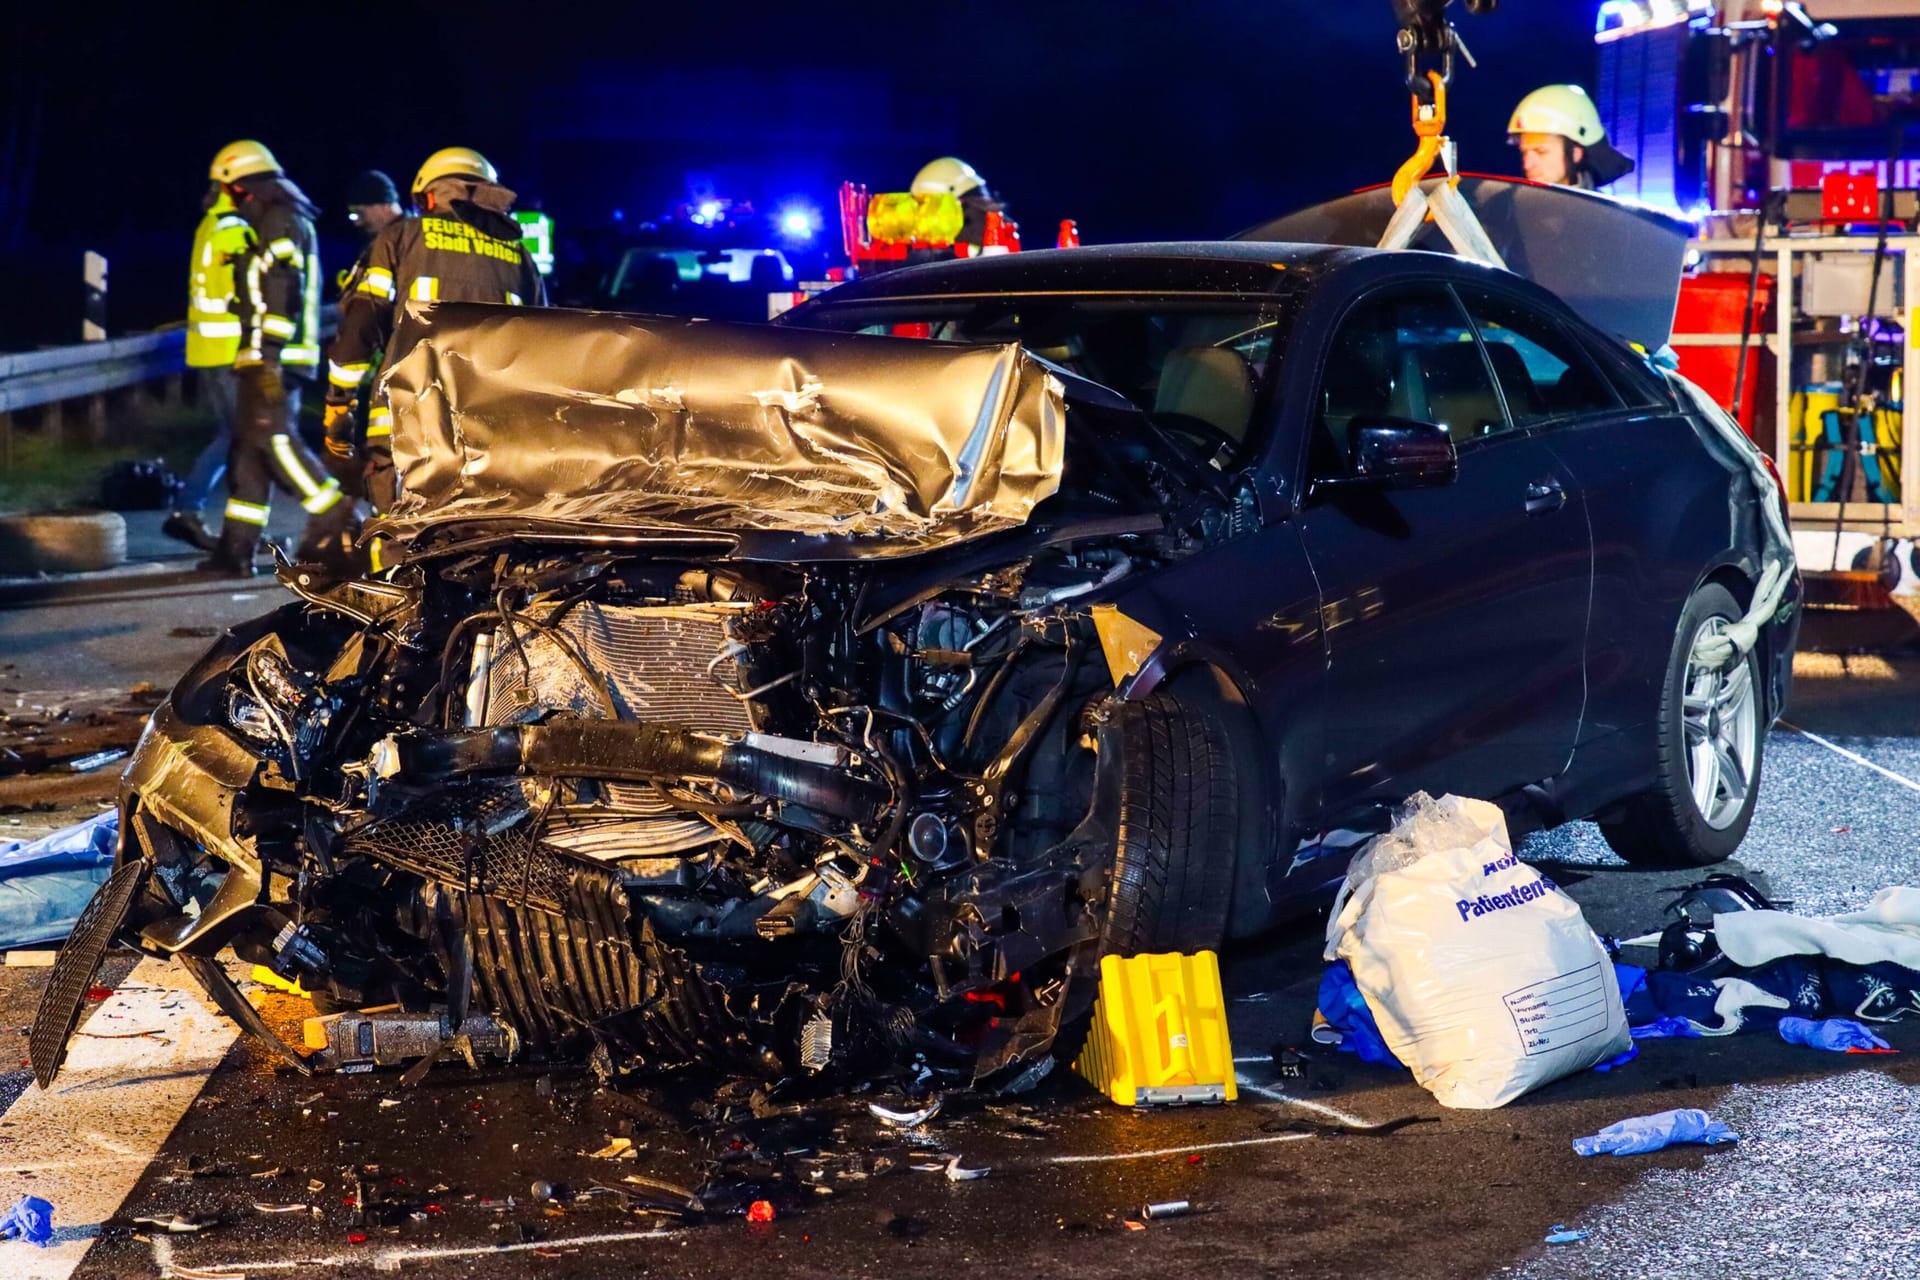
{"x":1398,"y":453}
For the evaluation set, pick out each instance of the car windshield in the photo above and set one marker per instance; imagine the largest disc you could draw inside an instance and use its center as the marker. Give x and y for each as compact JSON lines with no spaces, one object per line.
{"x":1195,"y":366}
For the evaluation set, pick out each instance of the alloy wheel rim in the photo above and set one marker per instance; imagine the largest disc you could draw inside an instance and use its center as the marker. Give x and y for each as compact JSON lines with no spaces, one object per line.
{"x":1719,"y":717}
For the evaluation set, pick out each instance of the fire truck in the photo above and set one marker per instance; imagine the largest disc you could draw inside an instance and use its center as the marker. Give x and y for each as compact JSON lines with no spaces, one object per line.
{"x":1790,"y":134}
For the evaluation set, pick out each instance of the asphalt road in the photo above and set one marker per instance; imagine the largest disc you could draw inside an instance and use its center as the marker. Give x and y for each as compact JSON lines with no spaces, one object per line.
{"x":1822,"y":1182}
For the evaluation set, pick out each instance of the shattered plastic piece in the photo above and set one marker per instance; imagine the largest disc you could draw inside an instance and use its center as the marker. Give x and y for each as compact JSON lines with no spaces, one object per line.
{"x":1167,"y":1209}
{"x":1639,"y":1134}
{"x":1836,"y":1035}
{"x":956,"y":1174}
{"x":616,"y":1149}
{"x":264,"y":1207}
{"x":905,"y":1119}
{"x":31,"y":1218}
{"x":98,"y":760}
{"x":178,"y":1224}
{"x":760,"y":1211}
{"x":1131,"y":1225}
{"x":1560,"y":1235}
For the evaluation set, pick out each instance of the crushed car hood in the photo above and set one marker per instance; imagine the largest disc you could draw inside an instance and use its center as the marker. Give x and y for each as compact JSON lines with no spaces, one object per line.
{"x":643,"y":422}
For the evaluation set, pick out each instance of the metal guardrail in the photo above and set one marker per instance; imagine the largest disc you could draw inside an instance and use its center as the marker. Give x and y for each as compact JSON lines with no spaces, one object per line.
{"x":32,"y":378}
{"x":29,"y":379}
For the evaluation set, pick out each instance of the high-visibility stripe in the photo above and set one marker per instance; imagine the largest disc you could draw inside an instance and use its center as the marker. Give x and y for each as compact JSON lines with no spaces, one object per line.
{"x":347,"y":375}
{"x":284,"y":248}
{"x":513,"y":299}
{"x":248,"y":359}
{"x":258,"y":300}
{"x":425,"y":289}
{"x":379,"y":282}
{"x":323,"y":500}
{"x":230,"y":222}
{"x":246,"y":512}
{"x":279,"y":326}
{"x":217,"y":328}
{"x":217,"y":306}
{"x":290,"y":463}
{"x":376,"y":429}
{"x":302,"y":353}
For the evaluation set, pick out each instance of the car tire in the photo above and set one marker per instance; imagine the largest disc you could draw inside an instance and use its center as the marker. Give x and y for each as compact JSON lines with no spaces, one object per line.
{"x":1710,"y":737}
{"x":62,"y":542}
{"x":1177,"y":824}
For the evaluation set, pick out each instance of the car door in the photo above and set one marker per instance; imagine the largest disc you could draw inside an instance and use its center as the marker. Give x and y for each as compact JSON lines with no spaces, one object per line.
{"x":1455,"y":615}
{"x":1656,"y":499}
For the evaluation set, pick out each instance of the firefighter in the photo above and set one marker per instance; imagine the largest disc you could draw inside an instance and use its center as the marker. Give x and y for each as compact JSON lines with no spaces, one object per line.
{"x":277,"y":298}
{"x":953,"y":176}
{"x":213,"y":339}
{"x":461,"y":245}
{"x":1561,"y":139}
{"x":372,"y":202}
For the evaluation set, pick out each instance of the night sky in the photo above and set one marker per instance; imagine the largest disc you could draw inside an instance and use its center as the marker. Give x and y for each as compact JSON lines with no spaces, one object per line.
{"x":1140,"y":120}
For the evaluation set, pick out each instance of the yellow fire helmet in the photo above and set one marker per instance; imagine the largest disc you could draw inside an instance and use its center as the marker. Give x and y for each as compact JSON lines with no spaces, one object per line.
{"x":948,"y":174}
{"x":453,"y":162}
{"x":1561,"y":109}
{"x":242,"y":159}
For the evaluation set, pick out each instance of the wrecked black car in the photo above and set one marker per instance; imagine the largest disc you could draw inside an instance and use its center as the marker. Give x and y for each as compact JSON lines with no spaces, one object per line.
{"x":800,"y":700}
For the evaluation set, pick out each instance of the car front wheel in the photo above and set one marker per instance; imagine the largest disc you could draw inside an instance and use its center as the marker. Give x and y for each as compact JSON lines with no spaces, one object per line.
{"x":1710,"y":737}
{"x":1177,"y":822}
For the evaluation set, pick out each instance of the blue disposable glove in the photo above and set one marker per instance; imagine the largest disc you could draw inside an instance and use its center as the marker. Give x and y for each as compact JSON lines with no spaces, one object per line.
{"x":31,"y":1218}
{"x":1836,"y":1034}
{"x":1665,"y":1029}
{"x":1639,"y":1134}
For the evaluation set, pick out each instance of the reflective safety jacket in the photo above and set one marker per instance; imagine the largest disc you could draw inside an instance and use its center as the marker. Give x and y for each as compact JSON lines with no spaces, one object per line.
{"x":277,"y":280}
{"x":213,"y":330}
{"x":462,"y":253}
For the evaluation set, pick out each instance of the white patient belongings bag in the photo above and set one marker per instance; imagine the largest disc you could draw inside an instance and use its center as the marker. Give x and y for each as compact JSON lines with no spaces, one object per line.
{"x":1483,"y":976}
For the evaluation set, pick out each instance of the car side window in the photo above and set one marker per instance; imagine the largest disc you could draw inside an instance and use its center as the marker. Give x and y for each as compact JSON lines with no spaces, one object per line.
{"x":1404,"y":353}
{"x":1543,"y":371}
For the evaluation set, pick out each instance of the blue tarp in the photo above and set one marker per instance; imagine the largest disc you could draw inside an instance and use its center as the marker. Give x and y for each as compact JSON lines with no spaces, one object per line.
{"x":45,"y":883}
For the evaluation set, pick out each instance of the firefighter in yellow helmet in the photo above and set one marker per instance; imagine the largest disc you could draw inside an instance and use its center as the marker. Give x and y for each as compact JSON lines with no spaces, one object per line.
{"x":213,"y":339}
{"x":1561,"y":139}
{"x":461,"y":245}
{"x":950,"y":175}
{"x":277,"y":300}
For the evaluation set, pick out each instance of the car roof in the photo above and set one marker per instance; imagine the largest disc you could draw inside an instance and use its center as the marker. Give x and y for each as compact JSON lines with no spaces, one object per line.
{"x":1174,"y":267}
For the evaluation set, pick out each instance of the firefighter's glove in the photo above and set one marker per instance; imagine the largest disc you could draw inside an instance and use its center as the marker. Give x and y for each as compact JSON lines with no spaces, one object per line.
{"x":342,"y":432}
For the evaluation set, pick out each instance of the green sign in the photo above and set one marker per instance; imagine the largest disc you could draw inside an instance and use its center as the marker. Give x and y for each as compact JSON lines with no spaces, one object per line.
{"x":536,"y":232}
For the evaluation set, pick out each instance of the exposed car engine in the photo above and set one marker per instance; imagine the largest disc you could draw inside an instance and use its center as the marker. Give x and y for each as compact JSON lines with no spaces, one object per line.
{"x":781,"y":820}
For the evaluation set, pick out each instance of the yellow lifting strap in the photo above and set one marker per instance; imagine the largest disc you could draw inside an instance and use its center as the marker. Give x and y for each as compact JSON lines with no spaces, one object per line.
{"x":1430,"y":126}
{"x":1414,"y":205}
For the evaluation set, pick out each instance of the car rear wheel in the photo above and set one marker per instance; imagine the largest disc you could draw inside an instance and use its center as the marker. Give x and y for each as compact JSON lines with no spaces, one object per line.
{"x":1710,"y":738}
{"x":1177,"y":823}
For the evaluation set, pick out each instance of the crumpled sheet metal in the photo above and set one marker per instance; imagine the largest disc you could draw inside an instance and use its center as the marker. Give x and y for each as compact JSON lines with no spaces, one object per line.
{"x":652,"y":422}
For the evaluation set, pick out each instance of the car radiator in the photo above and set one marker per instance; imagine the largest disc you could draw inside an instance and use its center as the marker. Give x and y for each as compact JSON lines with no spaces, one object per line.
{"x":669,"y":664}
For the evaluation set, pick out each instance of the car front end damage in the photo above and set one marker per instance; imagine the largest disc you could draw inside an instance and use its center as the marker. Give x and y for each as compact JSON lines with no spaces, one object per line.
{"x":658,"y":794}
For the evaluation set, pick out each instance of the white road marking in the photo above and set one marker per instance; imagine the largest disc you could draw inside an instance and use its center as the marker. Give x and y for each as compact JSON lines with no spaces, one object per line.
{"x":1179,"y":1151}
{"x":398,"y":1257}
{"x":1305,"y":1104}
{"x":89,"y":1138}
{"x":1837,"y":749}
